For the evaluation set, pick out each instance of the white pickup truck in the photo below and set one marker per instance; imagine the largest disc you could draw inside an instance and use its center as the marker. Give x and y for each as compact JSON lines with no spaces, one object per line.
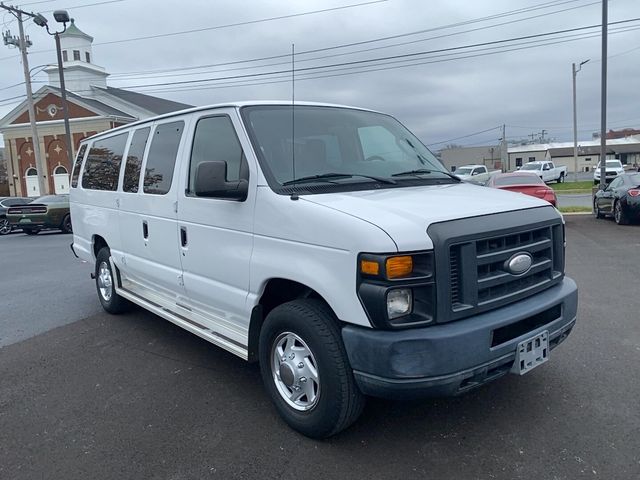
{"x":547,"y":171}
{"x":474,"y":173}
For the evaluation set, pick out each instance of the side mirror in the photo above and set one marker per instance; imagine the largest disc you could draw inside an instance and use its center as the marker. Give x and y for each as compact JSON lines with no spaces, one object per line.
{"x":211,"y":181}
{"x":453,"y":168}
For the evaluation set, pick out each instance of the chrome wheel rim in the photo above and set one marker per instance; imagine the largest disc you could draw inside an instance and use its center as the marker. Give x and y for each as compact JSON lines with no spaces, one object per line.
{"x":105,"y":283}
{"x":617,"y":213}
{"x":295,"y":371}
{"x":4,"y":226}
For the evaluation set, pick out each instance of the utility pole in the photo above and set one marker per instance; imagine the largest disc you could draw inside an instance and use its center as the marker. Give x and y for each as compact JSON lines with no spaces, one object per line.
{"x":603,"y":99}
{"x":23,"y":43}
{"x":575,"y":120}
{"x":504,"y":155}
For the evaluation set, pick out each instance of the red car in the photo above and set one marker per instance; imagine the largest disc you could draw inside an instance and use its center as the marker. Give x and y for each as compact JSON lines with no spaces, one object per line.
{"x":524,"y":182}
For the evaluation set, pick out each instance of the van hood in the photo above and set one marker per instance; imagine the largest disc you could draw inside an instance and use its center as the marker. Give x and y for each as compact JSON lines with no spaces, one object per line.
{"x":406,"y":213}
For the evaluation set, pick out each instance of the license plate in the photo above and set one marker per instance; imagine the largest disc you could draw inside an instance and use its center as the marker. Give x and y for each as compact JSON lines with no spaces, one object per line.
{"x":25,"y":220}
{"x":531,"y":353}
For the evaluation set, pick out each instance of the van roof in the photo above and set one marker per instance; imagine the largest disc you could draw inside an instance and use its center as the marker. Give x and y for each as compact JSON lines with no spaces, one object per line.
{"x":220,"y":105}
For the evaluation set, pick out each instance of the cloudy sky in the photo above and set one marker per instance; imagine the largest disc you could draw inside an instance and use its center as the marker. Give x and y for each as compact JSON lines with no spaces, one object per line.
{"x":411,"y":58}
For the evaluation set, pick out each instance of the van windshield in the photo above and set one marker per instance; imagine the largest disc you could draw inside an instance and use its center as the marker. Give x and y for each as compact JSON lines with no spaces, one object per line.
{"x":337,"y":148}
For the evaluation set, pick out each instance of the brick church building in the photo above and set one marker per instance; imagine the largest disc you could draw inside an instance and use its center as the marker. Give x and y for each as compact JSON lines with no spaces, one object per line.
{"x":93,"y":107}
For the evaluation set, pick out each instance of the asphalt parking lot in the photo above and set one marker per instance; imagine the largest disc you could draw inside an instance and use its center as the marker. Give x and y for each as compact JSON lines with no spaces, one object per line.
{"x":133,"y":396}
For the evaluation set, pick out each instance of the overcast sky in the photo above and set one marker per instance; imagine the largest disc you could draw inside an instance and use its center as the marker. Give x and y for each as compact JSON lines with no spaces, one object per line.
{"x":526,"y":89}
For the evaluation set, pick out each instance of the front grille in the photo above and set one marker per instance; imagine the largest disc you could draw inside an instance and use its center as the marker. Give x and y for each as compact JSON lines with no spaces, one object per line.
{"x":471,"y":262}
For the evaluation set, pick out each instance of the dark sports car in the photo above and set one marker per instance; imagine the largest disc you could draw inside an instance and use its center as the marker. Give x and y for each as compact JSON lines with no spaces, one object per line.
{"x":5,"y":203}
{"x":50,"y":211}
{"x":621,"y":199}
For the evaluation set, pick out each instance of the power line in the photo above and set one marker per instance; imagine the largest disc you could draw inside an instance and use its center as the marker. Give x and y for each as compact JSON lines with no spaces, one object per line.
{"x":465,"y":136}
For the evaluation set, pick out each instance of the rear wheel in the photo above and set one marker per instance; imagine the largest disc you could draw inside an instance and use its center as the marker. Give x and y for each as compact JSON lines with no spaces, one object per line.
{"x":31,"y":231}
{"x":105,"y":284}
{"x":5,"y":226}
{"x":305,"y":369}
{"x":619,"y":215}
{"x":66,"y":224}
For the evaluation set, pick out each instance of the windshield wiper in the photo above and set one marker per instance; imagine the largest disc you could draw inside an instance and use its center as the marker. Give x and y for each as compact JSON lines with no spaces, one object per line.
{"x":424,"y":171}
{"x":329,"y":176}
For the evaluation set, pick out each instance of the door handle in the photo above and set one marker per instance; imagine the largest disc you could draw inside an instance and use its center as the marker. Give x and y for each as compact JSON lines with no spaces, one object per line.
{"x":183,"y":236}
{"x":145,"y":229}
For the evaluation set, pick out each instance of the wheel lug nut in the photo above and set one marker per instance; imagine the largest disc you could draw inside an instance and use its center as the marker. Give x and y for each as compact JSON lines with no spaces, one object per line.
{"x":303,"y":379}
{"x":292,"y":356}
{"x":300,"y":365}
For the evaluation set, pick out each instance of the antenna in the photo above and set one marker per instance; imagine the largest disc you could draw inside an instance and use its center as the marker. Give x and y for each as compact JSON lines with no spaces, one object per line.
{"x":294,"y":195}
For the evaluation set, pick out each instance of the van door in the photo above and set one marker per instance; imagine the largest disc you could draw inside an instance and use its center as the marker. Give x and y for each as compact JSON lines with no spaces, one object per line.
{"x":216,"y":234}
{"x":148,"y":224}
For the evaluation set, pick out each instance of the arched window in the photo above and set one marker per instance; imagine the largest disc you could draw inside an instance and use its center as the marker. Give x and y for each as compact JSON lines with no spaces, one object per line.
{"x":31,"y":172}
{"x":60,"y":169}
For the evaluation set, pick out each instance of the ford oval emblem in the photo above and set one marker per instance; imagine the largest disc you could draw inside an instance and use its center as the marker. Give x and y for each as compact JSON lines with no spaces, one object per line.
{"x":519,"y":264}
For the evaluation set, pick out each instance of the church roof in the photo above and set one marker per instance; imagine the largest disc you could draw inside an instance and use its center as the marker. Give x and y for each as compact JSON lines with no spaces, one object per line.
{"x":95,"y":104}
{"x":74,"y":31}
{"x":155,"y":105}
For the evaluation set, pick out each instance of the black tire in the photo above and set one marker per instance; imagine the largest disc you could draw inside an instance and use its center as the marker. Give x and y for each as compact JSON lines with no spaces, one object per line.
{"x":619,"y":214}
{"x":596,"y":210}
{"x":5,"y":226}
{"x":560,"y":178}
{"x":31,"y":231}
{"x":339,"y":401}
{"x":110,"y":300}
{"x":66,"y":226}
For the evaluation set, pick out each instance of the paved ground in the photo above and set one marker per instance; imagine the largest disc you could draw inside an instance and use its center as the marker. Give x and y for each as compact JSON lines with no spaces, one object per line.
{"x":135,"y":397}
{"x":46,"y":287}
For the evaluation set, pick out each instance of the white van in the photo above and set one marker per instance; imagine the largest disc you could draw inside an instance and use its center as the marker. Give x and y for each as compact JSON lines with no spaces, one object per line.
{"x":326,"y":243}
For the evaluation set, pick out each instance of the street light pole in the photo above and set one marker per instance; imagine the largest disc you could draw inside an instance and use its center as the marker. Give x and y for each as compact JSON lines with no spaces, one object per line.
{"x":65,"y":108}
{"x":575,"y":119}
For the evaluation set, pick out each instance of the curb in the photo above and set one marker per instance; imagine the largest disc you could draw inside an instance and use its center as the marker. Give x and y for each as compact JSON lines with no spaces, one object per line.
{"x":576,"y":213}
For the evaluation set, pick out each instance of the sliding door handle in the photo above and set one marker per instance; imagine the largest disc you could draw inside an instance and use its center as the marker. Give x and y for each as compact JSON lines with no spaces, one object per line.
{"x":145,"y":229}
{"x":183,"y":236}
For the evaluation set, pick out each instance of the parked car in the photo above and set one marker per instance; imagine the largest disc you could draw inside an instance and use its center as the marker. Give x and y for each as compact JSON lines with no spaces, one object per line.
{"x":524,"y":182}
{"x":5,"y":203}
{"x":547,"y":171}
{"x":48,"y":212}
{"x":620,"y":199}
{"x":345,"y":259}
{"x":613,"y":169}
{"x":474,"y":173}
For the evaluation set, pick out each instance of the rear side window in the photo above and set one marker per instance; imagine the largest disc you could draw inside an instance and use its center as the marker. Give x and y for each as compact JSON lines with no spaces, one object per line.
{"x":215,"y":140}
{"x":134,"y":160}
{"x":76,"y":166}
{"x":161,"y":159}
{"x":102,"y":168}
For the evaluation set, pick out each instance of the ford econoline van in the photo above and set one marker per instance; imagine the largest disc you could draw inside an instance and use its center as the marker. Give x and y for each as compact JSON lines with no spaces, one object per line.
{"x":326,"y":243}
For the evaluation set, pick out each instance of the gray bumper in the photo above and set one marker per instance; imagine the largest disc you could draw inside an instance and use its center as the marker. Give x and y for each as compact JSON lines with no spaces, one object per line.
{"x":455,"y":357}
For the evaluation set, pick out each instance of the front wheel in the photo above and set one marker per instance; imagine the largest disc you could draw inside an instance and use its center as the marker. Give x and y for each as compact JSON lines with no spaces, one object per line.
{"x":306,"y":371}
{"x":596,"y":210}
{"x":618,"y":214}
{"x":105,"y":284}
{"x":66,"y":226}
{"x":5,"y":226}
{"x":561,"y":178}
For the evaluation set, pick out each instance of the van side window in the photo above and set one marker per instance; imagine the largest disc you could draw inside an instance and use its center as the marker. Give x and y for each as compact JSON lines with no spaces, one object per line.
{"x":161,"y":159}
{"x":102,"y":168}
{"x":76,"y":166}
{"x":134,"y":160}
{"x":215,"y":140}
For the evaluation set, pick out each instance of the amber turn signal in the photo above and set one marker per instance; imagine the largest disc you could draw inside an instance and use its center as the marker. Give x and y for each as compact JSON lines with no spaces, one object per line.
{"x":369,"y":267}
{"x":399,"y":266}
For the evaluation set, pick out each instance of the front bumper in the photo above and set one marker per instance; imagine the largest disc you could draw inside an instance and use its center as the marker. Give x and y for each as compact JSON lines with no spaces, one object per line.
{"x":455,"y":357}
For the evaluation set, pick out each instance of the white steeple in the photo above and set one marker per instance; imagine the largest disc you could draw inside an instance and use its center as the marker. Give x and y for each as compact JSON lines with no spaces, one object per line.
{"x":80,"y":73}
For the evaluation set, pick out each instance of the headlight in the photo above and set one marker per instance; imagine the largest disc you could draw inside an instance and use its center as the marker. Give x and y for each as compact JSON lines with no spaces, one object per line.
{"x":397,"y":290}
{"x":399,"y":302}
